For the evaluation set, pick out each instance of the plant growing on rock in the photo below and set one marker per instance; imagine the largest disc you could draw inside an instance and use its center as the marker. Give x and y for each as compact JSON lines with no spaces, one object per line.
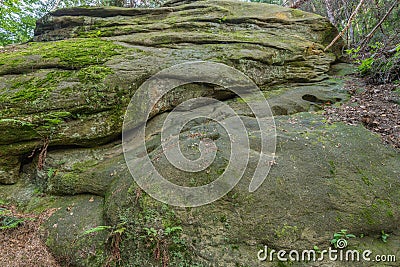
{"x":384,"y":236}
{"x":341,"y":236}
{"x":160,"y":240}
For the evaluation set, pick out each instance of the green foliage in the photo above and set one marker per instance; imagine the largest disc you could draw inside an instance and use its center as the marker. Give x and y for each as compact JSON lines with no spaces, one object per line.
{"x":153,"y":235}
{"x":151,"y":232}
{"x":381,"y":66}
{"x":378,"y":65}
{"x":340,"y":235}
{"x":366,"y":65}
{"x":317,"y":249}
{"x":97,"y":229}
{"x":172,"y":230}
{"x":116,"y":230}
{"x":353,"y":53}
{"x":17,"y":21}
{"x":7,"y":221}
{"x":384,"y":236}
{"x":51,"y":172}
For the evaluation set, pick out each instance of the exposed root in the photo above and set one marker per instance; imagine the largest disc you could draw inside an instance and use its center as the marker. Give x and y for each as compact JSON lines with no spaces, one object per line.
{"x":43,"y":153}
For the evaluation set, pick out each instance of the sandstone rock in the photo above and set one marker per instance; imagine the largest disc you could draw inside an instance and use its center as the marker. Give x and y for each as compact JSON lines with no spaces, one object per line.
{"x":71,"y":86}
{"x":324,"y":178}
{"x":64,"y":232}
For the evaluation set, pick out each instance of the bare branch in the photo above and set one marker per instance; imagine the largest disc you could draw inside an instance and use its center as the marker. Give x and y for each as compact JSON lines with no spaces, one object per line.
{"x":369,"y":35}
{"x":56,"y":5}
{"x":347,"y":26}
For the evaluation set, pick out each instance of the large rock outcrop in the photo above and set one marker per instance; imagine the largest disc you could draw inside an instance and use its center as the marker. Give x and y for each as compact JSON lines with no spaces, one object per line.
{"x":66,"y":93}
{"x":75,"y":89}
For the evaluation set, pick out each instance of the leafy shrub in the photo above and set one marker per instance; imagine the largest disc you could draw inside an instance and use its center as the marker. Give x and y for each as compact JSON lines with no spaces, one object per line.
{"x":382,"y":65}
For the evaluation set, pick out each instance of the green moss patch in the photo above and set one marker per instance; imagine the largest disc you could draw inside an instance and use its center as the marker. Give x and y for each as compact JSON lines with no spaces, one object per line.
{"x":34,"y":88}
{"x":68,"y":54}
{"x":94,"y":73}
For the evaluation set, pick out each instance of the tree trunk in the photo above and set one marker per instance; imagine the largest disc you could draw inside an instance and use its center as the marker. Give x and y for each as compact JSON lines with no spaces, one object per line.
{"x":329,"y":11}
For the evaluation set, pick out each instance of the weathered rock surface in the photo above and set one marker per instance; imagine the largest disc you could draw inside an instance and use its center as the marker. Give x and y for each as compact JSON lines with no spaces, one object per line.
{"x":64,"y":233}
{"x":75,"y":89}
{"x":70,"y":88}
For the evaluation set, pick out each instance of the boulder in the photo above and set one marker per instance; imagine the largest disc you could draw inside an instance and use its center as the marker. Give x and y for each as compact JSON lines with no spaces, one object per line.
{"x":63,"y":98}
{"x":72,"y":84}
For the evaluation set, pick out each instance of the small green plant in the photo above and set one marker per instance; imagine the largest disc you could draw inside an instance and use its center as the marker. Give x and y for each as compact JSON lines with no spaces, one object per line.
{"x":172,"y":230}
{"x":118,"y":229}
{"x":7,"y":221}
{"x":376,"y":46}
{"x":163,"y":240}
{"x":51,"y":172}
{"x":221,"y":20}
{"x":353,"y":52}
{"x":381,"y":65}
{"x":384,"y":236}
{"x":97,"y":229}
{"x":366,"y":65}
{"x":317,"y":249}
{"x":151,"y":232}
{"x":340,"y":236}
{"x":114,"y":238}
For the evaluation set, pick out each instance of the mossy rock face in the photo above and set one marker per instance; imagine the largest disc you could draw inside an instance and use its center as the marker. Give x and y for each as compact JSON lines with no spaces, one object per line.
{"x":69,"y":90}
{"x":325,"y":179}
{"x":77,"y":171}
{"x":64,"y":231}
{"x":73,"y":88}
{"x":10,"y":170}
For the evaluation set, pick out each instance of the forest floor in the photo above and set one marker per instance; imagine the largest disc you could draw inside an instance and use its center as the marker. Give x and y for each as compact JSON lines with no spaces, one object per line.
{"x":375,"y":106}
{"x":22,"y":246}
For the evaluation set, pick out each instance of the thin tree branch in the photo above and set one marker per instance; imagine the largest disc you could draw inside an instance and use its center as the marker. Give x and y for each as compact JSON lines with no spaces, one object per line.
{"x":347,"y":26}
{"x":56,"y":5}
{"x":369,"y":35}
{"x":378,"y":15}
